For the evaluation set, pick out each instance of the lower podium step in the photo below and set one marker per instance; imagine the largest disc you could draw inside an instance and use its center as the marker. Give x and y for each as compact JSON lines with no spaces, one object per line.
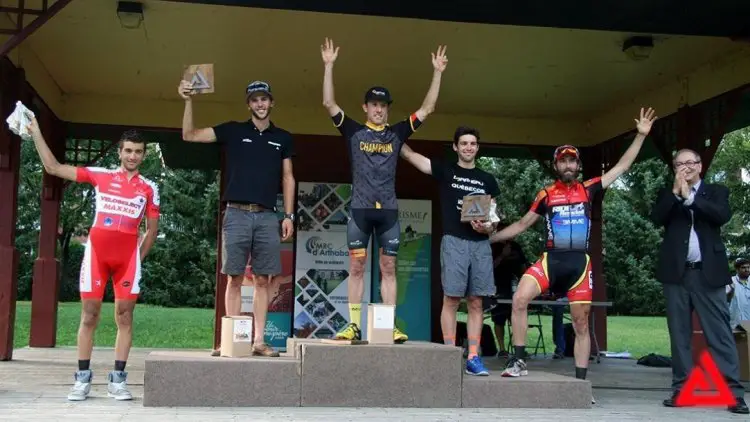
{"x":413,"y":374}
{"x":536,"y":390}
{"x":182,"y":378}
{"x":317,"y":374}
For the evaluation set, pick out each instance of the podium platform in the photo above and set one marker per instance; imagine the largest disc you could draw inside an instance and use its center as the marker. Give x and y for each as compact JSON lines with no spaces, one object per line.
{"x":313,"y":373}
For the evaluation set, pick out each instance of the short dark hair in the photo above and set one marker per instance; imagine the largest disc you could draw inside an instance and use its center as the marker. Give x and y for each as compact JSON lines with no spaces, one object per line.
{"x":465,"y":130}
{"x":132,"y":135}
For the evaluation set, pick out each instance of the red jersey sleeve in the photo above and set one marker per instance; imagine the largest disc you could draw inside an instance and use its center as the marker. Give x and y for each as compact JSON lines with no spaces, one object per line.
{"x":85,"y":175}
{"x":152,"y":207}
{"x":539,"y":205}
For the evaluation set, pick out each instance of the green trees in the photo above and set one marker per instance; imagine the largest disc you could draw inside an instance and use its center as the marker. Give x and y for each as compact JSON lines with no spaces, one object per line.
{"x":181,"y":268}
{"x":730,"y":167}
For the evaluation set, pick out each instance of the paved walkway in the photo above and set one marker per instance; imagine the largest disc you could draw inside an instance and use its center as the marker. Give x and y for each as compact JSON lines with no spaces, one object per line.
{"x":34,"y":387}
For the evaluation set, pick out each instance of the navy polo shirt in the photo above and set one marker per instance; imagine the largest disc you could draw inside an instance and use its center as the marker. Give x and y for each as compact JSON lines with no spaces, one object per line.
{"x":253,"y":163}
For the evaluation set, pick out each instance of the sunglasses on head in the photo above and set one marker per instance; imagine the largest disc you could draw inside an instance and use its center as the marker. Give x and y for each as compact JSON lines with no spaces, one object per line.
{"x":565,"y":150}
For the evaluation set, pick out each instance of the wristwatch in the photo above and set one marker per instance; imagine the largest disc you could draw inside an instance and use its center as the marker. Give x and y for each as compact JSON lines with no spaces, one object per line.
{"x":289,"y":216}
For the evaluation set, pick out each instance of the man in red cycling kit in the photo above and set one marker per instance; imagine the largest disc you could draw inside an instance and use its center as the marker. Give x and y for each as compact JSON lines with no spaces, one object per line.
{"x":123,"y":197}
{"x":565,"y":266}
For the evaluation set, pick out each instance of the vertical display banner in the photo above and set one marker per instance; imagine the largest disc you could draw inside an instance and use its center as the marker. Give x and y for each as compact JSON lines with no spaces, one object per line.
{"x":412,"y":269}
{"x":280,"y":292}
{"x":321,"y":301}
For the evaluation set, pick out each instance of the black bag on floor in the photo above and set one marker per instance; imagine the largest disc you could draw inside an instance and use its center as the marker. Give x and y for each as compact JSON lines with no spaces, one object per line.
{"x":654,"y":360}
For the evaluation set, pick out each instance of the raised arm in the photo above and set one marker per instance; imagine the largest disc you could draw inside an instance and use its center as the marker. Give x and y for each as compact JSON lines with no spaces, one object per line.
{"x":439,"y":62}
{"x":516,"y":228}
{"x":189,"y":132}
{"x":51,"y":165}
{"x":416,"y":159}
{"x":329,"y":54}
{"x":644,"y":127}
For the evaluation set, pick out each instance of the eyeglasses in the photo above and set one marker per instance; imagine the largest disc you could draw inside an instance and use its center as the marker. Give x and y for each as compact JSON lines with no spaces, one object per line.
{"x":690,"y":163}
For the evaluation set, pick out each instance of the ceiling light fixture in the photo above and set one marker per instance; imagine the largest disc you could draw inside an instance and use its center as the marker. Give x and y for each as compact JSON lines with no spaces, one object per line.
{"x":130,"y":14}
{"x":638,"y":48}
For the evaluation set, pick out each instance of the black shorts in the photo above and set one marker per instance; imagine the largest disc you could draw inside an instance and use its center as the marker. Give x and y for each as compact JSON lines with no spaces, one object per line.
{"x":362,"y":224}
{"x":564,"y":273}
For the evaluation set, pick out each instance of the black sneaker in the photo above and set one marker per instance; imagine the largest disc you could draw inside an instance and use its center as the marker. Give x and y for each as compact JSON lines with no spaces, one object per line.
{"x":740,"y":407}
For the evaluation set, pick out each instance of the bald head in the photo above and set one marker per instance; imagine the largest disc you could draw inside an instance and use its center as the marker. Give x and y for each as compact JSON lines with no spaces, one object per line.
{"x":686,"y":154}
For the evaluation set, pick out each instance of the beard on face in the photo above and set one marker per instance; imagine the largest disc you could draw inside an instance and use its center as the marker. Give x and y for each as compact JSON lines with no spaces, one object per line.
{"x":568,"y":176}
{"x":129,"y":166}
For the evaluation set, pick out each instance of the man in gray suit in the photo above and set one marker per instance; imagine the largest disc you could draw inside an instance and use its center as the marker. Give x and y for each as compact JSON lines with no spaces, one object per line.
{"x":693,"y":269}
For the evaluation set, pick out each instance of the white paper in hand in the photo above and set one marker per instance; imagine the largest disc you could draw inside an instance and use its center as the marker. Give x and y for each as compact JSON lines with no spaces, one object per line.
{"x":494,"y":218}
{"x":19,"y":120}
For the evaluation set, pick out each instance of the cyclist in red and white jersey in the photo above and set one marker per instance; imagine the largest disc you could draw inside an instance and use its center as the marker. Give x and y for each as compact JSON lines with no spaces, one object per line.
{"x":565,"y":265}
{"x":123,"y":198}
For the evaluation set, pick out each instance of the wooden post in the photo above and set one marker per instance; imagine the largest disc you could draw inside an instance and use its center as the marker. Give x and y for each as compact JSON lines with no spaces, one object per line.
{"x":593,"y":164}
{"x":221,"y":279}
{"x":11,"y":80}
{"x":46,"y":281}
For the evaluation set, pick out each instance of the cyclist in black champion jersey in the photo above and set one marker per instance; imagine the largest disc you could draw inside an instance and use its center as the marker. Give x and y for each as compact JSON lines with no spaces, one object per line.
{"x":374,"y":151}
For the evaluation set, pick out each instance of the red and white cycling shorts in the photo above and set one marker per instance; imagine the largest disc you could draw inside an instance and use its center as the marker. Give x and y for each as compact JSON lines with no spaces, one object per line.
{"x":112,"y":254}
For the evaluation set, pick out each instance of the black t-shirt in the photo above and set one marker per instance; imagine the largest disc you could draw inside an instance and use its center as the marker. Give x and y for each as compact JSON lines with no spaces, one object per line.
{"x":253,"y":161}
{"x":373,"y":152}
{"x":455,"y":183}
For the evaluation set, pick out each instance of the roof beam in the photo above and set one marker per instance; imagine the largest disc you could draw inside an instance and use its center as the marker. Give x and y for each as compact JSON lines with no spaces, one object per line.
{"x":708,"y":81}
{"x":21,"y":32}
{"x":677,"y":17}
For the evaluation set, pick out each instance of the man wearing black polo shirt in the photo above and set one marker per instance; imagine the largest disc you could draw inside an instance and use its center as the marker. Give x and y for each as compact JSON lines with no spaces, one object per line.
{"x":258,"y":155}
{"x":373,"y":151}
{"x":466,"y":263}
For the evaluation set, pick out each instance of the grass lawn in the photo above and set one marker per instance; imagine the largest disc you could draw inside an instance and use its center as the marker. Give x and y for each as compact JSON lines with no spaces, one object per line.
{"x":637,"y":335}
{"x":154,"y":326}
{"x":193,"y":328}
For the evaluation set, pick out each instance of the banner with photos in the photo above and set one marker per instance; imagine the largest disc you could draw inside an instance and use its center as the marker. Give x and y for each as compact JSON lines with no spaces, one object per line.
{"x":413,"y":269}
{"x":321,"y":305}
{"x":278,"y":321}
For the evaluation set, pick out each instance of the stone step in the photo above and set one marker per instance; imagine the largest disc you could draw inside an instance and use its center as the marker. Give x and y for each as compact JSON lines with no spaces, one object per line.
{"x":183,"y":378}
{"x":294,"y":345}
{"x":413,"y":374}
{"x":536,"y":390}
{"x":316,"y":373}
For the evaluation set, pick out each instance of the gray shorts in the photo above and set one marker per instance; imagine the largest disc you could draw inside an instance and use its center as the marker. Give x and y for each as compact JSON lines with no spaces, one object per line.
{"x":250,"y":234}
{"x":466,"y":267}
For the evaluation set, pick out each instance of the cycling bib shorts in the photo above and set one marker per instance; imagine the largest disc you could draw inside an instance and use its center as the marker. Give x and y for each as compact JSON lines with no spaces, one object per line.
{"x":112,"y":249}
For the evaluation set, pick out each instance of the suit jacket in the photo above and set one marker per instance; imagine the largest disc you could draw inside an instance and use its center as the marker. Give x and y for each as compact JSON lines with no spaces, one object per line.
{"x":711,"y":211}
